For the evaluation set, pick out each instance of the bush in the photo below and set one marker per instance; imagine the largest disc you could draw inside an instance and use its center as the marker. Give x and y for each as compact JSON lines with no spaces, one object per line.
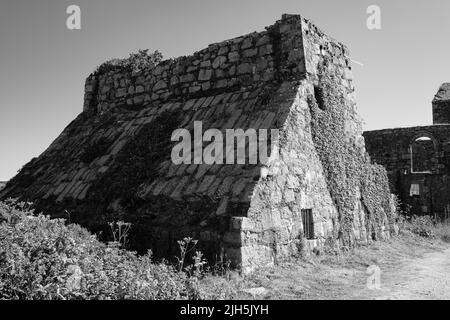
{"x":135,"y":62}
{"x":42,"y":258}
{"x":443,"y":232}
{"x":423,"y":226}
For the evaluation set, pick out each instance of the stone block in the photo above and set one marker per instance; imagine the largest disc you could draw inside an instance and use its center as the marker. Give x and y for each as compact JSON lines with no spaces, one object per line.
{"x":232,"y":238}
{"x":205,"y":184}
{"x":247,"y":43}
{"x":289,"y":196}
{"x":295,"y":55}
{"x":263,"y":40}
{"x":205,"y":64}
{"x":160,"y":85}
{"x":121,"y":93}
{"x":206,"y":86}
{"x":187,"y":78}
{"x":195,"y":89}
{"x":223,"y":50}
{"x":205,"y":75}
{"x":223,"y":207}
{"x":219,"y":61}
{"x":223,"y":83}
{"x":225,"y":186}
{"x":250,"y":53}
{"x":244,"y":68}
{"x":213,"y":187}
{"x":233,"y":56}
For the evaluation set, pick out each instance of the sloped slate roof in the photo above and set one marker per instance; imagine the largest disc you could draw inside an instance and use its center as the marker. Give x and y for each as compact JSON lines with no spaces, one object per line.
{"x":68,"y":169}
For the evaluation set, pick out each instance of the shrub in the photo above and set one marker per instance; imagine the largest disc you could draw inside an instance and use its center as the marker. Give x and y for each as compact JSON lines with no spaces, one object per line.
{"x":423,"y":226}
{"x":135,"y":62}
{"x":42,"y":258}
{"x":443,"y":232}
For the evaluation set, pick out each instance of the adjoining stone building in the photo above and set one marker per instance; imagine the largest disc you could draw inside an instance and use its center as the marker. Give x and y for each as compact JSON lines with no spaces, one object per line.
{"x":113,"y":162}
{"x":417,"y":160}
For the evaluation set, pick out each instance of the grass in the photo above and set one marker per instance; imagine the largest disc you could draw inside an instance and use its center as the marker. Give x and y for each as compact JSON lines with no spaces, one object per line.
{"x":344,"y":275}
{"x":442,"y":231}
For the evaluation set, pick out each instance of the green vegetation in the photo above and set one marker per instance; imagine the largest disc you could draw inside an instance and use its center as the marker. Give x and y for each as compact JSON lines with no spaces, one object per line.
{"x":47,"y":259}
{"x":425,"y":227}
{"x":344,"y":276}
{"x":347,"y":167}
{"x":136,"y":62}
{"x":42,"y":258}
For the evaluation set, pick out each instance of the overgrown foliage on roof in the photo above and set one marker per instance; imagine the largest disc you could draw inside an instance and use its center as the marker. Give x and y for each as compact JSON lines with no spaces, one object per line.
{"x":136,"y":62}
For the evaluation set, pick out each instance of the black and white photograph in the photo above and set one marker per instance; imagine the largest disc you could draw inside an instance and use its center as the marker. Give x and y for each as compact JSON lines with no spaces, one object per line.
{"x":224,"y":155}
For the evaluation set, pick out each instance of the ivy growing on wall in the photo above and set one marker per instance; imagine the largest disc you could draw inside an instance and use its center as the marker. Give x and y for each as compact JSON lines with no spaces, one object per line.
{"x":350,"y":176}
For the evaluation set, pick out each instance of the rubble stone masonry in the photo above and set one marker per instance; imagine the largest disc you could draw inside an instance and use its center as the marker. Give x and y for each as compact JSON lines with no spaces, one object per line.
{"x":417,"y":160}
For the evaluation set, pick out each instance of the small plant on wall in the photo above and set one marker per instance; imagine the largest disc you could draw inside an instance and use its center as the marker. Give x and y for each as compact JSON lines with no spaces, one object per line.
{"x":136,"y":62}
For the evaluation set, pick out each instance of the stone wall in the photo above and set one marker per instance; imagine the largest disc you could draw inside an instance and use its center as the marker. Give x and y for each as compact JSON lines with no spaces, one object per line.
{"x":392,"y":149}
{"x":244,"y":63}
{"x":296,"y":180}
{"x":441,"y":105}
{"x":273,"y":228}
{"x":326,"y":56}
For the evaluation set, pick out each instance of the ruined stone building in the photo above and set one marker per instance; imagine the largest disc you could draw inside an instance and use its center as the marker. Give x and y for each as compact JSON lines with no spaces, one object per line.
{"x":113,"y":162}
{"x":417,"y":160}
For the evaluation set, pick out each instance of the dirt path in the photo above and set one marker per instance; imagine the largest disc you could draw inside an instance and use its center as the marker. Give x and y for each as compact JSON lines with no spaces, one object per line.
{"x":422,"y":278}
{"x":411,"y":268}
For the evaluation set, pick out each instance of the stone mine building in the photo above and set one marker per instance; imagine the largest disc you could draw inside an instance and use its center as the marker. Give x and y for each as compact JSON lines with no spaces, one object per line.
{"x":418,"y":160}
{"x":113,"y":162}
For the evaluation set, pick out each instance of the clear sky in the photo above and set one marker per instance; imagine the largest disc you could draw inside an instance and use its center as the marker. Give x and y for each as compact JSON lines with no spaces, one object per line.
{"x":43,"y":65}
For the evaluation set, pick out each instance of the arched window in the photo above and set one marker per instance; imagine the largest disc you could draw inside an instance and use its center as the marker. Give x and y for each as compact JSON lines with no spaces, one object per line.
{"x":423,"y":153}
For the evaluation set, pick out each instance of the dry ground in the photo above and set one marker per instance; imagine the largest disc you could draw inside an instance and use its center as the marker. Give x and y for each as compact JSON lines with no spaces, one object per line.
{"x":412,"y":267}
